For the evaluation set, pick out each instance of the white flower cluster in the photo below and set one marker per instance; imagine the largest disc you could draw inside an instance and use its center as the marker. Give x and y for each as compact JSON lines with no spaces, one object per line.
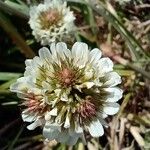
{"x":50,"y":21}
{"x":68,"y":92}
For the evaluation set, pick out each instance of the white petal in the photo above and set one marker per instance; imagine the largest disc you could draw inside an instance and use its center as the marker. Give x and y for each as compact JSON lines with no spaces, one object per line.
{"x":47,"y":117}
{"x":115,"y":94}
{"x":104,"y":115}
{"x":72,"y":140}
{"x":22,"y":95}
{"x":62,"y":50}
{"x":80,"y":53}
{"x":36,"y":62}
{"x":102,"y":121}
{"x":15,"y":87}
{"x":53,"y":112}
{"x":28,"y":62}
{"x":89,"y":74}
{"x":26,"y":116}
{"x":105,"y":65}
{"x":111,"y":110}
{"x":51,"y":130}
{"x":67,"y":122}
{"x":88,"y":84}
{"x":35,"y":124}
{"x":53,"y":125}
{"x":77,"y":49}
{"x":22,"y":84}
{"x":36,"y":91}
{"x":50,"y":133}
{"x":112,"y":79}
{"x":96,"y":129}
{"x":64,"y":97}
{"x":78,"y":129}
{"x":63,"y":137}
{"x":83,"y":139}
{"x":95,"y":55}
{"x":44,"y":53}
{"x":53,"y":49}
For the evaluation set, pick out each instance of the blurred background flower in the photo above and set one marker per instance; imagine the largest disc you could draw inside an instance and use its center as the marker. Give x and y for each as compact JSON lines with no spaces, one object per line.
{"x":51,"y":21}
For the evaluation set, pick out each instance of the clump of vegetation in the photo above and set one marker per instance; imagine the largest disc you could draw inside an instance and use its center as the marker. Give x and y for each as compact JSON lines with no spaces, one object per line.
{"x":119,"y":30}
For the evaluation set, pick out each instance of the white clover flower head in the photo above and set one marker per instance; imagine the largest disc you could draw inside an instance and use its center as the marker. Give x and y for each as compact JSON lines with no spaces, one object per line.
{"x":50,"y":21}
{"x":69,"y":92}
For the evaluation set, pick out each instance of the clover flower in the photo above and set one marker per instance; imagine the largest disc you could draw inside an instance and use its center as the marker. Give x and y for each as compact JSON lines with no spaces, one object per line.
{"x":50,"y":21}
{"x":69,"y":92}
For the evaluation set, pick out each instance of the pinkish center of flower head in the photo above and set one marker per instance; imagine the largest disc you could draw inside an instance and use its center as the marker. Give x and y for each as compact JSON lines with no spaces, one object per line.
{"x":66,"y":77}
{"x":34,"y":103}
{"x":49,"y":18}
{"x":86,"y":108}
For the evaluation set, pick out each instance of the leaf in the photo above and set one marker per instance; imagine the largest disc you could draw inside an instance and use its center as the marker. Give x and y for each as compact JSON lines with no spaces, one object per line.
{"x":20,"y":6}
{"x":8,"y":8}
{"x":4,"y":76}
{"x":6,"y":85}
{"x":91,"y":20}
{"x":125,"y":72}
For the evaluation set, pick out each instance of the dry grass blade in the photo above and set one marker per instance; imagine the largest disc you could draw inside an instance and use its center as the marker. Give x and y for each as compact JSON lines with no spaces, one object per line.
{"x":101,"y":9}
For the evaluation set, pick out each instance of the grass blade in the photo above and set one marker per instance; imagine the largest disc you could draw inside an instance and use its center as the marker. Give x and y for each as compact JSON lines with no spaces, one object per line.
{"x":13,"y":33}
